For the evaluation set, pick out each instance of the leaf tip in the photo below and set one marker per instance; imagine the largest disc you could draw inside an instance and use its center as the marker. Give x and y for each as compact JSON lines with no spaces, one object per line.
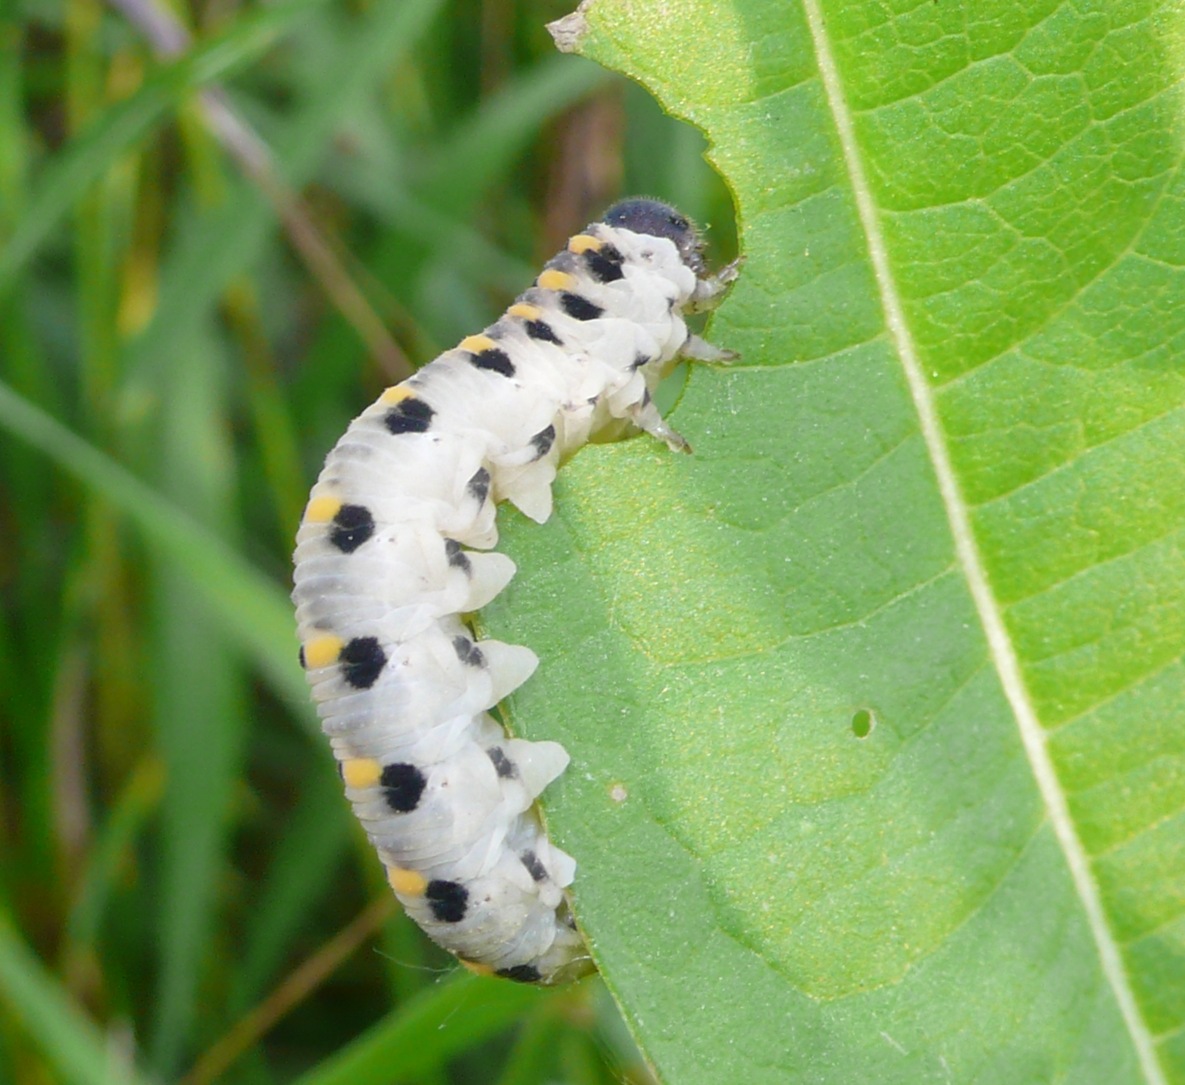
{"x":569,"y":32}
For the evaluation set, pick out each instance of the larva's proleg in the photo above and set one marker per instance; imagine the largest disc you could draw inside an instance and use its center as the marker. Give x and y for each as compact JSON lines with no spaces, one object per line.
{"x":394,"y":548}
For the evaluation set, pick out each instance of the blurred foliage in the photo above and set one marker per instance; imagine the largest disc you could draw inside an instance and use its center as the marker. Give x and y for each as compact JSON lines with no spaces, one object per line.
{"x":185,"y":895}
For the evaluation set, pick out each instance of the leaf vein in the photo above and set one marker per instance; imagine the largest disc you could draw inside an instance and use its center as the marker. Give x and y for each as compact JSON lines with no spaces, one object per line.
{"x":1114,"y":695}
{"x":966,"y":548}
{"x":1081,"y":454}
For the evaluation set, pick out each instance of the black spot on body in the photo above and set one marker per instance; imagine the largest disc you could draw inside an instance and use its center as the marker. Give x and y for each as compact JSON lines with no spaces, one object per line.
{"x":495,"y":360}
{"x":403,"y":785}
{"x":538,"y":329}
{"x":604,"y":264}
{"x":457,"y":558}
{"x":479,"y":485}
{"x":579,"y":308}
{"x":542,"y":442}
{"x":521,"y":973}
{"x":410,"y":416}
{"x":352,"y":526}
{"x":448,"y":900}
{"x":468,"y":652}
{"x":503,"y":766}
{"x":362,"y":661}
{"x":535,"y":868}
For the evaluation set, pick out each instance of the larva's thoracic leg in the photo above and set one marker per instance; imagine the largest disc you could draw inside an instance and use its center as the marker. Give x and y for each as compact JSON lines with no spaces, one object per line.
{"x":392,"y":554}
{"x":709,"y":292}
{"x":645,"y":416}
{"x":700,"y":350}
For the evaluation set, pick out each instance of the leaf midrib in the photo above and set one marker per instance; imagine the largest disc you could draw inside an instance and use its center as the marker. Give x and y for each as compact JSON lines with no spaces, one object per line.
{"x":1000,"y":647}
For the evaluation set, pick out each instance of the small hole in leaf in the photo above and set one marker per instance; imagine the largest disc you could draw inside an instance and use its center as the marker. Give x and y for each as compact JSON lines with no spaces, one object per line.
{"x":863,"y":722}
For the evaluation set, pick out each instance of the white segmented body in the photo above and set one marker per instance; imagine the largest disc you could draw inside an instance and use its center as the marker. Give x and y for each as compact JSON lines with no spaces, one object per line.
{"x":391,"y":552}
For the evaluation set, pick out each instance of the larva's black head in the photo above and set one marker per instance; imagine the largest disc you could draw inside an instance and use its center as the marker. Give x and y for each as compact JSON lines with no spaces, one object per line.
{"x":660,"y":219}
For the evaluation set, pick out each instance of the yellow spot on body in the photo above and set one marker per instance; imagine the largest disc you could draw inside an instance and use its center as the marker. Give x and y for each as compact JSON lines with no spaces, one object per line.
{"x":475,"y":344}
{"x":524,"y":311}
{"x":407,"y":882}
{"x":584,"y":243}
{"x":321,"y":651}
{"x":321,"y":510}
{"x":361,"y":772}
{"x":475,"y":968}
{"x":556,"y":280}
{"x":397,"y":393}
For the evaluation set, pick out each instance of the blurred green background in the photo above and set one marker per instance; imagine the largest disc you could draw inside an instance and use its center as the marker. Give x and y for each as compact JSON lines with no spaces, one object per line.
{"x":222,"y":231}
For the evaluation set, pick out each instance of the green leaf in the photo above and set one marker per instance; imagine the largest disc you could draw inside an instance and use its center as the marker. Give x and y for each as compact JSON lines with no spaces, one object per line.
{"x":874,"y":703}
{"x":254,"y":611}
{"x":74,"y":1047}
{"x":420,"y":1037}
{"x":220,"y":247}
{"x":84,"y":160}
{"x":200,"y":718}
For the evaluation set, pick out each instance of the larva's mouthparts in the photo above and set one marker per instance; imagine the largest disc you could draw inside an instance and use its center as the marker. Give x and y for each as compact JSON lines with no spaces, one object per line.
{"x":389,"y":557}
